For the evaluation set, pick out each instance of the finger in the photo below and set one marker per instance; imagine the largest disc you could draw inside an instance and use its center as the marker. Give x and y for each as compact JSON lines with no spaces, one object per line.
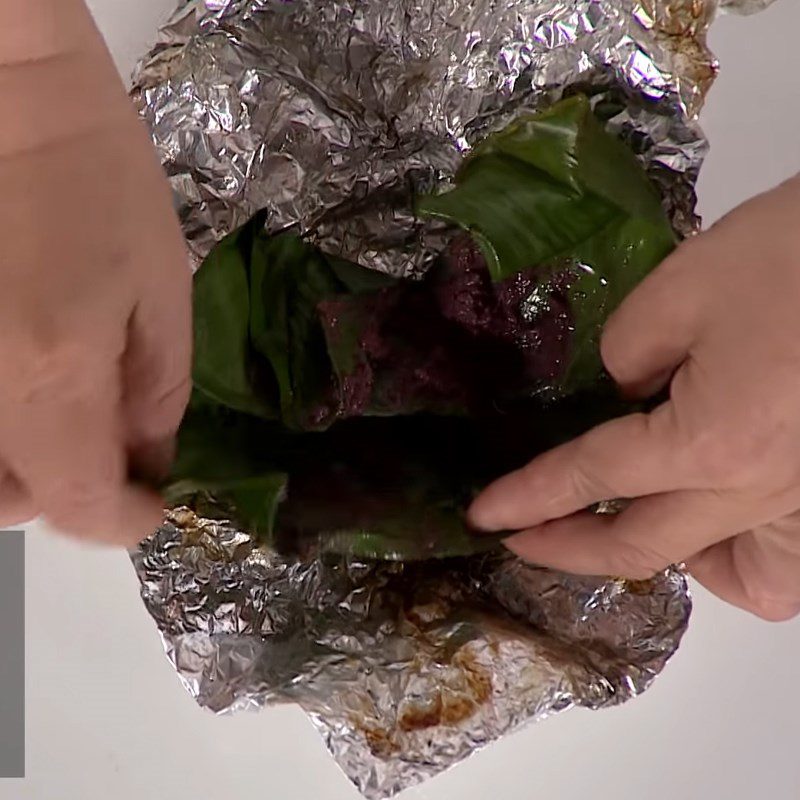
{"x":651,"y":333}
{"x":158,"y":355}
{"x":63,"y":439}
{"x":642,"y":540}
{"x":16,"y":503}
{"x":157,"y":369}
{"x":628,"y":457}
{"x":758,"y":571}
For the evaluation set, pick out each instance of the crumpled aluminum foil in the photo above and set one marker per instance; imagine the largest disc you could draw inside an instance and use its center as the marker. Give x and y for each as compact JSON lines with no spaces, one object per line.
{"x":331,"y":114}
{"x":404,"y":669}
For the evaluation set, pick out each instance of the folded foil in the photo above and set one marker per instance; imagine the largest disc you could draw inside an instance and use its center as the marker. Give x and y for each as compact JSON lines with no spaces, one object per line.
{"x":330,"y":114}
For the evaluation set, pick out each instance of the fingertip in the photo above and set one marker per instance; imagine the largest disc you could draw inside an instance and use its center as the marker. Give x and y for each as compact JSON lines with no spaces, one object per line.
{"x":142,"y":514}
{"x":771,"y":611}
{"x":155,"y":414}
{"x":523,"y":498}
{"x":122,"y":520}
{"x":487,"y":514}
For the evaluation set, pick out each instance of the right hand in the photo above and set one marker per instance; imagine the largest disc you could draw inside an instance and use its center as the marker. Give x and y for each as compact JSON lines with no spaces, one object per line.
{"x":95,"y":308}
{"x":714,"y":472}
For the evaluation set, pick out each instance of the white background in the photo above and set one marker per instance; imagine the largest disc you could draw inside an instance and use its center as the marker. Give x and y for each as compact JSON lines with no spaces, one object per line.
{"x":107,"y":717}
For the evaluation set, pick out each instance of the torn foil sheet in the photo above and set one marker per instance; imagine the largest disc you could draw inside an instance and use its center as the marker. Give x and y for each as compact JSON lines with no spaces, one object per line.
{"x":330,"y":114}
{"x":404,"y":669}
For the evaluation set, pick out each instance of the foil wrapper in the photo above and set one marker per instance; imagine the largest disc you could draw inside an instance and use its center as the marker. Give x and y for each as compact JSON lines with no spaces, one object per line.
{"x":404,"y":669}
{"x":331,"y":114}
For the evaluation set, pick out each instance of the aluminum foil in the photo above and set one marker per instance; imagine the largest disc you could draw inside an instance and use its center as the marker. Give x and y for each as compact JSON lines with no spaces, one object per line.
{"x":330,"y":114}
{"x":404,"y":669}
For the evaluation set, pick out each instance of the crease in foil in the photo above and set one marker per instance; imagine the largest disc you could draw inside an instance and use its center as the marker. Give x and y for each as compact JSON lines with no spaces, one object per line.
{"x":330,"y":114}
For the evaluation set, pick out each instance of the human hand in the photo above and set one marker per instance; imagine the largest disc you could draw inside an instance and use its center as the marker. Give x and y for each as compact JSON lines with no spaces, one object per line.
{"x":714,"y":472}
{"x":95,"y":308}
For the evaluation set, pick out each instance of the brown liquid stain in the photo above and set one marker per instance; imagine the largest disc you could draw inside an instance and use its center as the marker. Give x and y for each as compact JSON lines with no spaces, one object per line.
{"x":639,"y":587}
{"x":379,"y":741}
{"x":452,"y":706}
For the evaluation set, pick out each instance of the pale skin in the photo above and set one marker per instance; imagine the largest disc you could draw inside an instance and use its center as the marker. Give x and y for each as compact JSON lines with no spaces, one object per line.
{"x":95,"y":341}
{"x":714,"y":472}
{"x":95,"y":307}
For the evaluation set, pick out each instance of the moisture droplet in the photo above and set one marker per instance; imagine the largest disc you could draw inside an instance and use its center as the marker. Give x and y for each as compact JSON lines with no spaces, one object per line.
{"x":537,"y":304}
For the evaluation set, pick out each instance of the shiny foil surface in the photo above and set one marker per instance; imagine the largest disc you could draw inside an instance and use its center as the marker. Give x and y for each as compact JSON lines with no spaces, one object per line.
{"x":331,"y":114}
{"x":404,"y":669}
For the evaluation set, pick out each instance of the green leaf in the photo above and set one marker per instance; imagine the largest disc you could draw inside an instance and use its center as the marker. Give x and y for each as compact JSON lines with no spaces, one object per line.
{"x":414,"y":535}
{"x":530,"y":218}
{"x":289,"y":279}
{"x":360,"y":280}
{"x":223,"y":359}
{"x":377,"y":399}
{"x":546,"y":141}
{"x":220,"y":452}
{"x":544,"y":185}
{"x":256,"y":502}
{"x":607,"y":167}
{"x":312,"y":373}
{"x":271,"y":259}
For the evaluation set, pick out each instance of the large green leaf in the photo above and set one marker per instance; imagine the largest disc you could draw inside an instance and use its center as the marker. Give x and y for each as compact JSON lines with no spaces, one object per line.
{"x":519,"y":215}
{"x":289,"y":279}
{"x":544,"y":185}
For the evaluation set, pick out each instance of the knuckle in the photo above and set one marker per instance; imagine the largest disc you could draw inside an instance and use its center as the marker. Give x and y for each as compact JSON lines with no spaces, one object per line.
{"x":78,"y":495}
{"x":584,"y":485}
{"x":739,"y":458}
{"x":721,"y":456}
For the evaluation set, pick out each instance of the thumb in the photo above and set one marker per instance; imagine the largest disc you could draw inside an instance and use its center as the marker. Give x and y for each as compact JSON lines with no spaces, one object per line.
{"x":650,"y":335}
